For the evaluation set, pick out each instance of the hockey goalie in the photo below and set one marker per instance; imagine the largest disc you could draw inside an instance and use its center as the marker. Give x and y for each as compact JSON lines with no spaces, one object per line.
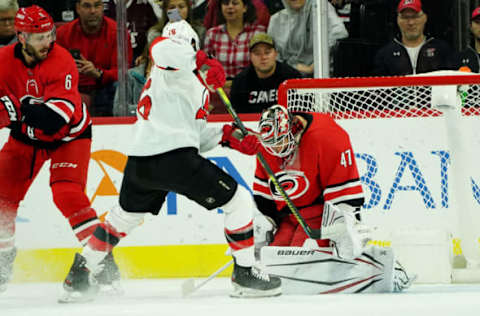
{"x":313,"y":160}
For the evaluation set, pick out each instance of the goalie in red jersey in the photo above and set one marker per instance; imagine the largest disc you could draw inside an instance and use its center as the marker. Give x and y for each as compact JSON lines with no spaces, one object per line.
{"x":313,"y":160}
{"x":41,"y":105}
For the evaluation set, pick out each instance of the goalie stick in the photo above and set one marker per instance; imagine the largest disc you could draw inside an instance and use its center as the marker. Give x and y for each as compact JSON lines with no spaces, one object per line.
{"x":188,"y":287}
{"x":312,"y":233}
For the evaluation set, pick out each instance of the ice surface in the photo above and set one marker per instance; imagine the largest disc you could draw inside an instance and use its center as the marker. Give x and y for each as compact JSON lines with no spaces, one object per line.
{"x":163,"y":297}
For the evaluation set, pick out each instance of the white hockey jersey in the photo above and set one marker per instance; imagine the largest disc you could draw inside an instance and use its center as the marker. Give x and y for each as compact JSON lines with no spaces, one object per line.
{"x":173,"y":106}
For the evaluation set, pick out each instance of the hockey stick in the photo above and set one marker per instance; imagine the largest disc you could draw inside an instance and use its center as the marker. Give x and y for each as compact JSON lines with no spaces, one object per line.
{"x":188,"y":287}
{"x":312,"y":233}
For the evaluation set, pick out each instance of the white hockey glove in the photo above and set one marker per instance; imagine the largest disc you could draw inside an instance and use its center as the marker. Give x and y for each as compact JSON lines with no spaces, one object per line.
{"x":347,"y":236}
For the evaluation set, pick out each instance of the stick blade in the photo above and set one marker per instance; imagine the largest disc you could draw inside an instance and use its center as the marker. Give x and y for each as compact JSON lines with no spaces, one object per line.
{"x":188,"y":287}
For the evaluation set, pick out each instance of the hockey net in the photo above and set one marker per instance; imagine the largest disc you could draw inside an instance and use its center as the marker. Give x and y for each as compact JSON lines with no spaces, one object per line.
{"x":378,"y":97}
{"x":414,"y":161}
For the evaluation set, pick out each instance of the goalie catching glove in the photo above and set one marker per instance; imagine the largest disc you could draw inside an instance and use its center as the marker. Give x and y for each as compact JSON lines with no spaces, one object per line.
{"x":232,"y":137}
{"x":8,"y":110}
{"x":215,"y":77}
{"x":348,"y":237}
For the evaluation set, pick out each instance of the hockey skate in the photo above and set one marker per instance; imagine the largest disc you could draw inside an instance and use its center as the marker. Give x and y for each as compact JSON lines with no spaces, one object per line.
{"x":109,"y":277}
{"x":253,"y":282}
{"x":80,"y":284}
{"x":6,"y":267}
{"x":401,"y":280}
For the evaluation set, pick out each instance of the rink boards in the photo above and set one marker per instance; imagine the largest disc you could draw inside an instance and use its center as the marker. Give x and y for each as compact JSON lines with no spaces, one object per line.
{"x":403,"y":163}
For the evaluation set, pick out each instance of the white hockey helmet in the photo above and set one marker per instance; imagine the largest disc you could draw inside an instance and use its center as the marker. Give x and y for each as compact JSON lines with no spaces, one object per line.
{"x":181,"y":32}
{"x":275,"y":128}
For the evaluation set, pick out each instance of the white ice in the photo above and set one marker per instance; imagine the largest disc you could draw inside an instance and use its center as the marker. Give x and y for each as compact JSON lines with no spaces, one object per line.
{"x":163,"y":297}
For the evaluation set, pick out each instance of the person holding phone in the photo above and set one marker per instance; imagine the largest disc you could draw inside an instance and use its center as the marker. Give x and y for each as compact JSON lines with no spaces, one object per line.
{"x":95,"y":36}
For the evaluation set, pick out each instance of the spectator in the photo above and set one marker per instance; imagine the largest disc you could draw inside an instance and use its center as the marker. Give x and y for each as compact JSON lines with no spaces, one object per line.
{"x":8,"y":10}
{"x":228,"y":42}
{"x":184,"y":7}
{"x":291,"y":29}
{"x":212,"y":16}
{"x":470,"y":56}
{"x":255,"y":88}
{"x":136,"y":78}
{"x":94,"y":37}
{"x":412,"y":52}
{"x":140,"y":17}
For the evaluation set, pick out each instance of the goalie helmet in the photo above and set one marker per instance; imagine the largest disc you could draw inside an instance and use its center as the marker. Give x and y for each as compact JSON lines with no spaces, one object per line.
{"x":276,"y":134}
{"x":33,"y":19}
{"x":181,"y":32}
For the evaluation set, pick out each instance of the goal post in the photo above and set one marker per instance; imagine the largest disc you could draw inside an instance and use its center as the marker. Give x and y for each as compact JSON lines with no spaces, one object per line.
{"x":417,"y":144}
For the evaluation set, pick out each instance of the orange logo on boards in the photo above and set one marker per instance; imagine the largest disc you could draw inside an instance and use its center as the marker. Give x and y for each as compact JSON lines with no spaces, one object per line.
{"x":112,"y":159}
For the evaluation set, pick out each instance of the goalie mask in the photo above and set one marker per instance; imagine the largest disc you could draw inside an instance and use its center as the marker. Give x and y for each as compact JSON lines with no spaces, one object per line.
{"x":181,"y":32}
{"x":275,"y":128}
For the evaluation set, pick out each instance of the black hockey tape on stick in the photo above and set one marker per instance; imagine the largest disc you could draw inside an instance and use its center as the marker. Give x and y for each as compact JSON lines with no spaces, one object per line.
{"x":312,"y":233}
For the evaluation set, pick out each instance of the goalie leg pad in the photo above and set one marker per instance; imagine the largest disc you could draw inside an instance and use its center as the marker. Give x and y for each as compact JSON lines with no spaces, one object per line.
{"x":318,"y":271}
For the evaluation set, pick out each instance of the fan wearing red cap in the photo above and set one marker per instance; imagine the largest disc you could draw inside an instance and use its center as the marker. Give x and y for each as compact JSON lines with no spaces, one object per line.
{"x":469,"y":57}
{"x":412,"y":51}
{"x":35,"y":31}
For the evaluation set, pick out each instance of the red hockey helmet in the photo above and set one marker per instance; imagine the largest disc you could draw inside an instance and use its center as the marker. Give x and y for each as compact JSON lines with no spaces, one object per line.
{"x":33,"y":19}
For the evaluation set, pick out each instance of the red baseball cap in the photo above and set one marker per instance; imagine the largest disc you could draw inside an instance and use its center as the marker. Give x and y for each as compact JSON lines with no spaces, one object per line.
{"x":415,"y":5}
{"x":476,"y":13}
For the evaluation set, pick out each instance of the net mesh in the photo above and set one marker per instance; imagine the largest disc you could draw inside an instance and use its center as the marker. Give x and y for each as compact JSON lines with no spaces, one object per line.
{"x":374,"y":102}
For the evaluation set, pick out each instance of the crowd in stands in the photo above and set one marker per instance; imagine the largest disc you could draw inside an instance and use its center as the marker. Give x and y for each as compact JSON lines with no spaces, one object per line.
{"x":260,"y":43}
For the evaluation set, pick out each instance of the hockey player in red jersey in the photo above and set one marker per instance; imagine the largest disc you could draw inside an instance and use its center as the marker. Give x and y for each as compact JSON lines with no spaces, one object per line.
{"x":169,"y":133}
{"x":313,"y":160}
{"x":40,"y":104}
{"x":312,"y":167}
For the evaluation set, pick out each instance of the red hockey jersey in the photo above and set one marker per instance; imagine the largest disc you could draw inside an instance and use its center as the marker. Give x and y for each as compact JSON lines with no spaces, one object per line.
{"x":53,"y":82}
{"x":324,"y":169}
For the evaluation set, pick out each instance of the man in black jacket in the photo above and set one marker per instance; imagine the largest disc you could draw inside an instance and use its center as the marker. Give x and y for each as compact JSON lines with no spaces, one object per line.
{"x":470,"y":56}
{"x":255,"y":88}
{"x":413,"y":52}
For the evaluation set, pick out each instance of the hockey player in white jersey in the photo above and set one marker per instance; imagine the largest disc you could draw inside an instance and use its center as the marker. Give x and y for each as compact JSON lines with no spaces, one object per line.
{"x":170,"y":131}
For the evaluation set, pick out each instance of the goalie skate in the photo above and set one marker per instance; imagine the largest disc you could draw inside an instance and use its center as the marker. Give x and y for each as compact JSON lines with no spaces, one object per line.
{"x":253,"y":282}
{"x":80,"y":285}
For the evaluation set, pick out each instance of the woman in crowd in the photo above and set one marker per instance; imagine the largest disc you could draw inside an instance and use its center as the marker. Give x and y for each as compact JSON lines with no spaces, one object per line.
{"x":228,"y":42}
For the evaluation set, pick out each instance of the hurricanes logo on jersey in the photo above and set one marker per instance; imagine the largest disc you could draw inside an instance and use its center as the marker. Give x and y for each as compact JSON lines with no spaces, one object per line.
{"x":32,"y":87}
{"x":294,"y":182}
